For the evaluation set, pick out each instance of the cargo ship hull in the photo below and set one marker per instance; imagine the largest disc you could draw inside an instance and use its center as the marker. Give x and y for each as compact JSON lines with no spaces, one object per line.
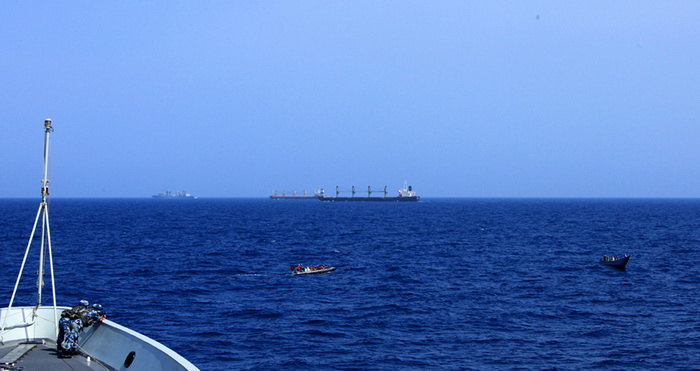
{"x":370,"y":199}
{"x":273,"y":197}
{"x":406,"y":194}
{"x":291,"y":196}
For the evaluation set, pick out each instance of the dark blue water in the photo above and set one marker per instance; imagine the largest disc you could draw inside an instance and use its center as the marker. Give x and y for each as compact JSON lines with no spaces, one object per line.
{"x":443,"y":283}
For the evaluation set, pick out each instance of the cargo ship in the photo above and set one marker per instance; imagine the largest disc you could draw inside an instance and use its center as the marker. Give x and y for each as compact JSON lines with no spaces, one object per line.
{"x":293,"y":196}
{"x":177,"y":195}
{"x":406,"y":194}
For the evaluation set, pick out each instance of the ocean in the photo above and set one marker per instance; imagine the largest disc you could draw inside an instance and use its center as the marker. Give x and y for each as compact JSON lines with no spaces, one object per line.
{"x":453,"y":284}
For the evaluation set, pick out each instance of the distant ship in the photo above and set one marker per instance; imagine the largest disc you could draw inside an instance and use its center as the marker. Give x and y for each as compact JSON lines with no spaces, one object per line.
{"x":406,"y":194}
{"x":177,"y":194}
{"x":293,"y":196}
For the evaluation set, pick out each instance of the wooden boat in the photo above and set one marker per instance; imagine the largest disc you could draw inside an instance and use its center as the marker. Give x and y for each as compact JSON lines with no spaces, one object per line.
{"x":312,"y":270}
{"x":617,"y":262}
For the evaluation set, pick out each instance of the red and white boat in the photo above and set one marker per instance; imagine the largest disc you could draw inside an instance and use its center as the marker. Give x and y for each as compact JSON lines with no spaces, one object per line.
{"x":300,"y":269}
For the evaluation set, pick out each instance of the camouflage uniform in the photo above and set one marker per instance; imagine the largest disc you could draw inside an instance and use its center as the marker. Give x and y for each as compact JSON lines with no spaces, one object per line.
{"x":64,"y":343}
{"x":94,"y":315}
{"x":70,"y":325}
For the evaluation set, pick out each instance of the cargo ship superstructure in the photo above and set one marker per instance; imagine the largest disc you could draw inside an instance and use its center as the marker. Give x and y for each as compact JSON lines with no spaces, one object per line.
{"x":405,"y":194}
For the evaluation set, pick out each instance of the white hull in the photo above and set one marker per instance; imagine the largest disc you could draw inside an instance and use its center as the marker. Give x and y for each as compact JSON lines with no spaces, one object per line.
{"x":317,"y":271}
{"x":108,"y":342}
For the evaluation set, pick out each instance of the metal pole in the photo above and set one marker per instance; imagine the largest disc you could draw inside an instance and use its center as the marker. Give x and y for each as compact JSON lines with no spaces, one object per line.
{"x":44,"y":194}
{"x":53,"y":280}
{"x":45,"y":189}
{"x":48,"y":128}
{"x":40,"y":272}
{"x":21,"y":269}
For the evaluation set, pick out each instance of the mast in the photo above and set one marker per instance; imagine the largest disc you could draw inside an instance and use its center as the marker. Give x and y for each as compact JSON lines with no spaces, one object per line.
{"x":45,"y":230}
{"x":43,"y":212}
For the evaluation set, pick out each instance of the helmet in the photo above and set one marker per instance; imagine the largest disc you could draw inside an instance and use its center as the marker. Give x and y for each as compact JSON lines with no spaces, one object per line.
{"x":84,"y":302}
{"x":97,"y":306}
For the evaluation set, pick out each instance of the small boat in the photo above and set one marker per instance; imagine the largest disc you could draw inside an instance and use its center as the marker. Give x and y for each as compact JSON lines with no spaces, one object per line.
{"x":615,"y":261}
{"x":300,"y":269}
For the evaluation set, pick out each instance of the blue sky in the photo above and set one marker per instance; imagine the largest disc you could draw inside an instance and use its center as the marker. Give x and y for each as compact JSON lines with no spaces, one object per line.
{"x":460,"y":98}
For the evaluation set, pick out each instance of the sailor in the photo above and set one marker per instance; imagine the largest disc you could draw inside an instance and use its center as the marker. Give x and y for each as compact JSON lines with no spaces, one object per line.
{"x":76,"y":325}
{"x":70,"y":324}
{"x":82,"y":305}
{"x":95,"y":314}
{"x":63,"y":340}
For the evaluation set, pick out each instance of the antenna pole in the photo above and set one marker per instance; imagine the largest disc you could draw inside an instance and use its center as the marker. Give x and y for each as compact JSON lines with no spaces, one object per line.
{"x":45,"y":181}
{"x":45,"y":232}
